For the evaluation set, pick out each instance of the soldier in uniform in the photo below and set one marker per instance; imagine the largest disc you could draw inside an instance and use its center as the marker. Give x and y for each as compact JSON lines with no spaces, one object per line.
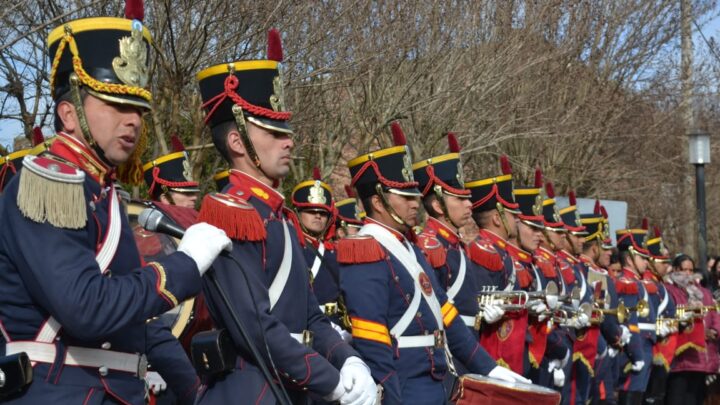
{"x":80,"y":312}
{"x":347,"y":216}
{"x":636,"y":361}
{"x":314,"y":206}
{"x":530,"y":277}
{"x":602,"y":387}
{"x":402,"y":322}
{"x":666,"y":324}
{"x":169,"y":178}
{"x":266,"y":278}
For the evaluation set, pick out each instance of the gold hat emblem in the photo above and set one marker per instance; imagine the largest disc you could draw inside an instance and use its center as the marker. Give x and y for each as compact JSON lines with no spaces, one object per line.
{"x":187,"y":170}
{"x":277,"y":99}
{"x":317,"y":194}
{"x":556,"y":214}
{"x":131,"y":66}
{"x":460,"y":176}
{"x":407,"y":172}
{"x":537,"y":206}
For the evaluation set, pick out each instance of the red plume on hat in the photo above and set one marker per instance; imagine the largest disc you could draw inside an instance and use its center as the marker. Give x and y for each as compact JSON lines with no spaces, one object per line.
{"x":571,"y":198}
{"x":549,"y":189}
{"x":538,"y":177}
{"x":38,"y":137}
{"x":134,"y":10}
{"x":453,"y":144}
{"x":505,"y":165}
{"x":397,"y":133}
{"x":349,"y":191}
{"x":658,"y":234}
{"x":274,"y":46}
{"x":604,"y":212}
{"x":597,"y":208}
{"x":177,"y":144}
{"x":316,"y":174}
{"x":645,"y":224}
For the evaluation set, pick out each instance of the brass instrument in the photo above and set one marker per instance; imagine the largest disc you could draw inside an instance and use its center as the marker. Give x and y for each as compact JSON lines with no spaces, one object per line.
{"x":697,"y":311}
{"x":671,"y":323}
{"x":516,"y":300}
{"x":622,"y":312}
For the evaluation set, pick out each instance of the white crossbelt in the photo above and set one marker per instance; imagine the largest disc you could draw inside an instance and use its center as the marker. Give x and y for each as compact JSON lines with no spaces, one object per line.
{"x":79,"y":356}
{"x":647,"y":326}
{"x":405,"y":342}
{"x":278,"y":284}
{"x":664,"y":302}
{"x":318,"y":260}
{"x":298,"y":337}
{"x":460,"y":279}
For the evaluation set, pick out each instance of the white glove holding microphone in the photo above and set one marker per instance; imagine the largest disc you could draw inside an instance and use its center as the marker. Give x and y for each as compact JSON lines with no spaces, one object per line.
{"x":492,"y":313}
{"x":155,"y":383}
{"x":501,"y":373}
{"x":358,"y":385}
{"x":203,"y":243}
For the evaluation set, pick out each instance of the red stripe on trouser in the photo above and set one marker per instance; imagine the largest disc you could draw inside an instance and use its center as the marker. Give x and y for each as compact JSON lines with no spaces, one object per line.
{"x":573,"y":386}
{"x":602,"y":390}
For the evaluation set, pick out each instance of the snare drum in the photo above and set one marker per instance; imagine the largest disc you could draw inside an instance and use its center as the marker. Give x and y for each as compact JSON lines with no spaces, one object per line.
{"x":476,"y":389}
{"x":191,"y":315}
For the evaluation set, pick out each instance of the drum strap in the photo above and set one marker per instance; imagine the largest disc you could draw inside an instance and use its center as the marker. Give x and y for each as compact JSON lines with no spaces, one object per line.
{"x":405,"y":253}
{"x":281,"y":278}
{"x":51,"y":327}
{"x":460,"y":279}
{"x":583,"y":284}
{"x":318,"y":260}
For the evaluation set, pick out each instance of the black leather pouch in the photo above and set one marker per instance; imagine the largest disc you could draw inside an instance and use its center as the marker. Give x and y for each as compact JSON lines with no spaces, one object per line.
{"x":15,"y":374}
{"x":213,"y":352}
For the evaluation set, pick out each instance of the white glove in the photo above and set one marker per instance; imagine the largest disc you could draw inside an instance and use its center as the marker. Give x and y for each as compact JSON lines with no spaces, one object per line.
{"x":492,"y":313}
{"x":663,"y":330}
{"x":582,"y":321}
{"x":346,"y":337}
{"x":360,"y":388}
{"x":501,"y":373}
{"x":155,"y":383}
{"x":625,"y":336}
{"x":612,"y":352}
{"x":336,"y":393}
{"x":558,"y":377}
{"x":638,"y":365}
{"x":203,"y":243}
{"x":539,"y":308}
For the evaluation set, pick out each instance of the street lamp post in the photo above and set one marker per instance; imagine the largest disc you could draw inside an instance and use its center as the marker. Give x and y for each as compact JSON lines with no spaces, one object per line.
{"x":699,"y":151}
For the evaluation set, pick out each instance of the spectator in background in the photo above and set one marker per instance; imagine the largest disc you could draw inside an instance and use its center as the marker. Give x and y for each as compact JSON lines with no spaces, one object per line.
{"x":615,"y":267}
{"x":713,"y":276}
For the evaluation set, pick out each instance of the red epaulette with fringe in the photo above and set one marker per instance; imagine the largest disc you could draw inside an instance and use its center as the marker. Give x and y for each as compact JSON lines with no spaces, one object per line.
{"x":290,"y":214}
{"x":567,"y":272}
{"x":650,"y":286}
{"x":626,"y":287}
{"x":235,"y":216}
{"x":434,"y":251}
{"x":484,"y":253}
{"x":359,"y":249}
{"x":545,"y":265}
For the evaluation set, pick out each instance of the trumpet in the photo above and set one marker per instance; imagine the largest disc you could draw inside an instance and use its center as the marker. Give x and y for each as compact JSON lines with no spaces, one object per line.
{"x":565,"y":315}
{"x":507,"y":300}
{"x":622,"y":312}
{"x":697,"y":311}
{"x":671,"y":323}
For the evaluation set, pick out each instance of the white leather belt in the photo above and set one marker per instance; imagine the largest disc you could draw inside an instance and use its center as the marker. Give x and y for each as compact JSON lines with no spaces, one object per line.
{"x":650,"y":327}
{"x":297,"y":336}
{"x":416,"y":341}
{"x":468,"y":320}
{"x":305,"y":337}
{"x":103,"y":360}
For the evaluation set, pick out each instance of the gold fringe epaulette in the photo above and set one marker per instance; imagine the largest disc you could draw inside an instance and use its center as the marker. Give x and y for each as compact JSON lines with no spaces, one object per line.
{"x":359,"y":249}
{"x":52,"y":191}
{"x":235,"y":216}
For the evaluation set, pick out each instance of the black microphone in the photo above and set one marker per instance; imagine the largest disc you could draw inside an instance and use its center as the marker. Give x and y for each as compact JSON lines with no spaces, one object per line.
{"x":155,"y":221}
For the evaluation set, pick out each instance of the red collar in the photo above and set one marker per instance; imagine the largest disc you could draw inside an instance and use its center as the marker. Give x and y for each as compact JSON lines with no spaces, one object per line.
{"x":519,"y":254}
{"x":394,"y":232}
{"x":249,"y":186}
{"x":76,"y":152}
{"x":494,"y":238}
{"x":563,"y":254}
{"x":443,"y":231}
{"x":627,"y":273}
{"x":648,"y":275}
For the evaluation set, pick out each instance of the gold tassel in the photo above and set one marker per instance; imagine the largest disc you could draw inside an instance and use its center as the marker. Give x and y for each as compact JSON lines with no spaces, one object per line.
{"x":59,"y":200}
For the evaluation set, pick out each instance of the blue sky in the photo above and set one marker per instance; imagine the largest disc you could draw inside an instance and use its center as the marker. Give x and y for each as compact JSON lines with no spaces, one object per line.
{"x":10,"y":129}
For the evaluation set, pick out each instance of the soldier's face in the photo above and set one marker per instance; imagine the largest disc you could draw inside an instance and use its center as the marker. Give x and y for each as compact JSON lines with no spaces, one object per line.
{"x":458,"y":210}
{"x":641,"y":263}
{"x":557,"y":239}
{"x":529,"y":236}
{"x":577,"y":242}
{"x":314,"y":221}
{"x":182,"y":199}
{"x":604,"y":259}
{"x":114,"y":127}
{"x":512,"y":222}
{"x":274,"y":150}
{"x":406,"y":207}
